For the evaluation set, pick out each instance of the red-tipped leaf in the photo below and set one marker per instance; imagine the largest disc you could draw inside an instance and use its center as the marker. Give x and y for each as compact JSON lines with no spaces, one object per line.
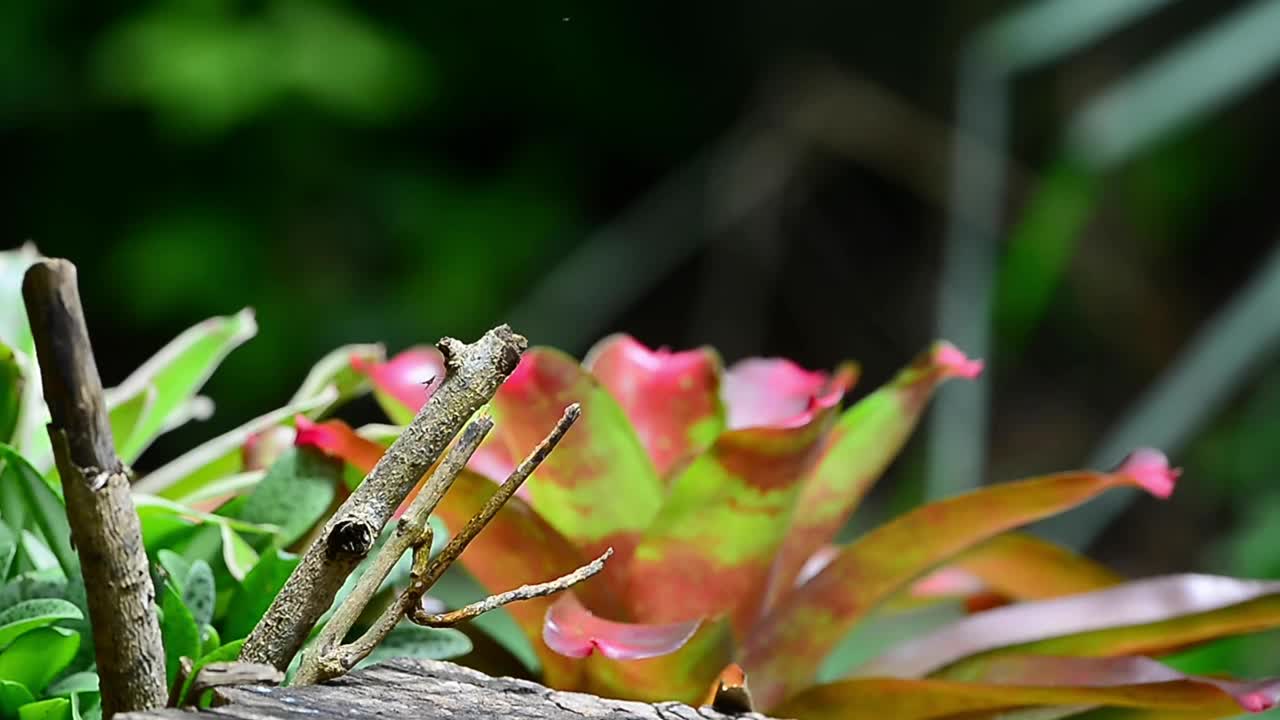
{"x":777,"y":393}
{"x":783,"y":653}
{"x":671,"y":398}
{"x":866,"y":439}
{"x":682,"y":676}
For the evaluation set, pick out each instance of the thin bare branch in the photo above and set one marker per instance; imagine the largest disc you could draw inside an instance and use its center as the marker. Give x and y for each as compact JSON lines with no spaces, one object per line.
{"x":329,"y":658}
{"x":459,"y":542}
{"x":472,"y":376}
{"x":419,"y":615}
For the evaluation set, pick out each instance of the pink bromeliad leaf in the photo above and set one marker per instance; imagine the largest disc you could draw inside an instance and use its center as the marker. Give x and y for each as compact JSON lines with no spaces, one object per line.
{"x":783,"y":652}
{"x":401,"y":384}
{"x":599,"y":488}
{"x":1036,"y":681}
{"x":710,"y":549}
{"x":671,"y":398}
{"x":682,"y":675}
{"x":1147,"y":616}
{"x":775,"y":392}
{"x":572,"y":630}
{"x":865,"y":440}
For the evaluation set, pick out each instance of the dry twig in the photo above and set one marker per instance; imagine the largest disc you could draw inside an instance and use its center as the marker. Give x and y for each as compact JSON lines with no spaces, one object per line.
{"x":472,"y":376}
{"x":331,"y":659}
{"x":104,"y":524}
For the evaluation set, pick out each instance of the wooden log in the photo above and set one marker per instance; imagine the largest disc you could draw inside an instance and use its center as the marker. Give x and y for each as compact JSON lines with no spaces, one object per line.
{"x":424,"y":690}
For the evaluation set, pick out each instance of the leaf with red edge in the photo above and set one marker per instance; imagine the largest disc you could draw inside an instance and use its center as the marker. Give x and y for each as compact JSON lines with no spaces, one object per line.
{"x":403,"y":384}
{"x":785,"y":650}
{"x":518,"y":548}
{"x":574,"y":631}
{"x":682,"y":675}
{"x":671,"y":399}
{"x":598,"y":488}
{"x":865,"y":440}
{"x":336,"y":439}
{"x":1024,"y":682}
{"x":1150,"y":616}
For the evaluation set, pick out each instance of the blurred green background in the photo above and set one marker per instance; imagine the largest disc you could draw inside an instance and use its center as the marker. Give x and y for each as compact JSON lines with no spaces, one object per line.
{"x":1081,"y":190}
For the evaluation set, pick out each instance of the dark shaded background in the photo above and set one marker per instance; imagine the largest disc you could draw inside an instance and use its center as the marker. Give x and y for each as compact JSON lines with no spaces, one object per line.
{"x":768,"y":178}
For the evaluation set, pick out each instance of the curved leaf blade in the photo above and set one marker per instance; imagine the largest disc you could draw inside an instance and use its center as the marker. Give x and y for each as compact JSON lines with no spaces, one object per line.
{"x":865,"y":440}
{"x":31,"y":614}
{"x":573,"y":631}
{"x":178,"y":631}
{"x":337,"y":370}
{"x":1148,"y":616}
{"x":598,"y":488}
{"x":683,"y":675}
{"x":29,"y":502}
{"x":792,"y":640}
{"x":175,"y":374}
{"x":38,"y":656}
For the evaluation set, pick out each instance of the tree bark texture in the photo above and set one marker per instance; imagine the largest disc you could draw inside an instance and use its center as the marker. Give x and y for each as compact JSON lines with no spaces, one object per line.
{"x":425,"y":690}
{"x":105,"y":528}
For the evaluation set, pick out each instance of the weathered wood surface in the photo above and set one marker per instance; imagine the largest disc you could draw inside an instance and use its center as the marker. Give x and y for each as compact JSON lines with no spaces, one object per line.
{"x":422,"y":690}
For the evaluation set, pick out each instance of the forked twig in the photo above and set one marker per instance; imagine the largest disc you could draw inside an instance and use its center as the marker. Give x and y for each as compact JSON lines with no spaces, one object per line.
{"x":331,"y":658}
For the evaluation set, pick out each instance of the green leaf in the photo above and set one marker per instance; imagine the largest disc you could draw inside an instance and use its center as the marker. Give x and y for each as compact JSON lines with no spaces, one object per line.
{"x":8,"y":548}
{"x":258,"y":589}
{"x":31,"y":585}
{"x":221,"y":456}
{"x":407,"y":640}
{"x":12,"y":386}
{"x":335,"y":370}
{"x":13,"y":696}
{"x":51,"y":709}
{"x":176,"y":566}
{"x":179,"y":631}
{"x":75,"y":683}
{"x":789,"y":644}
{"x":15,"y":332}
{"x":295,"y":494}
{"x":31,"y":614}
{"x":199,"y":593}
{"x":28,"y":502}
{"x":38,"y":656}
{"x":225,"y":653}
{"x":209,"y":639}
{"x":36,"y":553}
{"x":236,"y":553}
{"x":174,"y":375}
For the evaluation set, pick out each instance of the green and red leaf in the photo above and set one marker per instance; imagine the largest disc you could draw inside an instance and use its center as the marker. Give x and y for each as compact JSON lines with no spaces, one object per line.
{"x":710,"y":549}
{"x":671,"y":399}
{"x":1025,"y":567}
{"x":863,"y":442}
{"x":1027,"y":682}
{"x":518,"y":548}
{"x":785,"y":650}
{"x":1144,"y":617}
{"x":598,"y":488}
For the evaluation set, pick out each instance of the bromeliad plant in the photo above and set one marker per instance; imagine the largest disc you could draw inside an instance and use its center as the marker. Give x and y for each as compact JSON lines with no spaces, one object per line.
{"x":721,"y":493}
